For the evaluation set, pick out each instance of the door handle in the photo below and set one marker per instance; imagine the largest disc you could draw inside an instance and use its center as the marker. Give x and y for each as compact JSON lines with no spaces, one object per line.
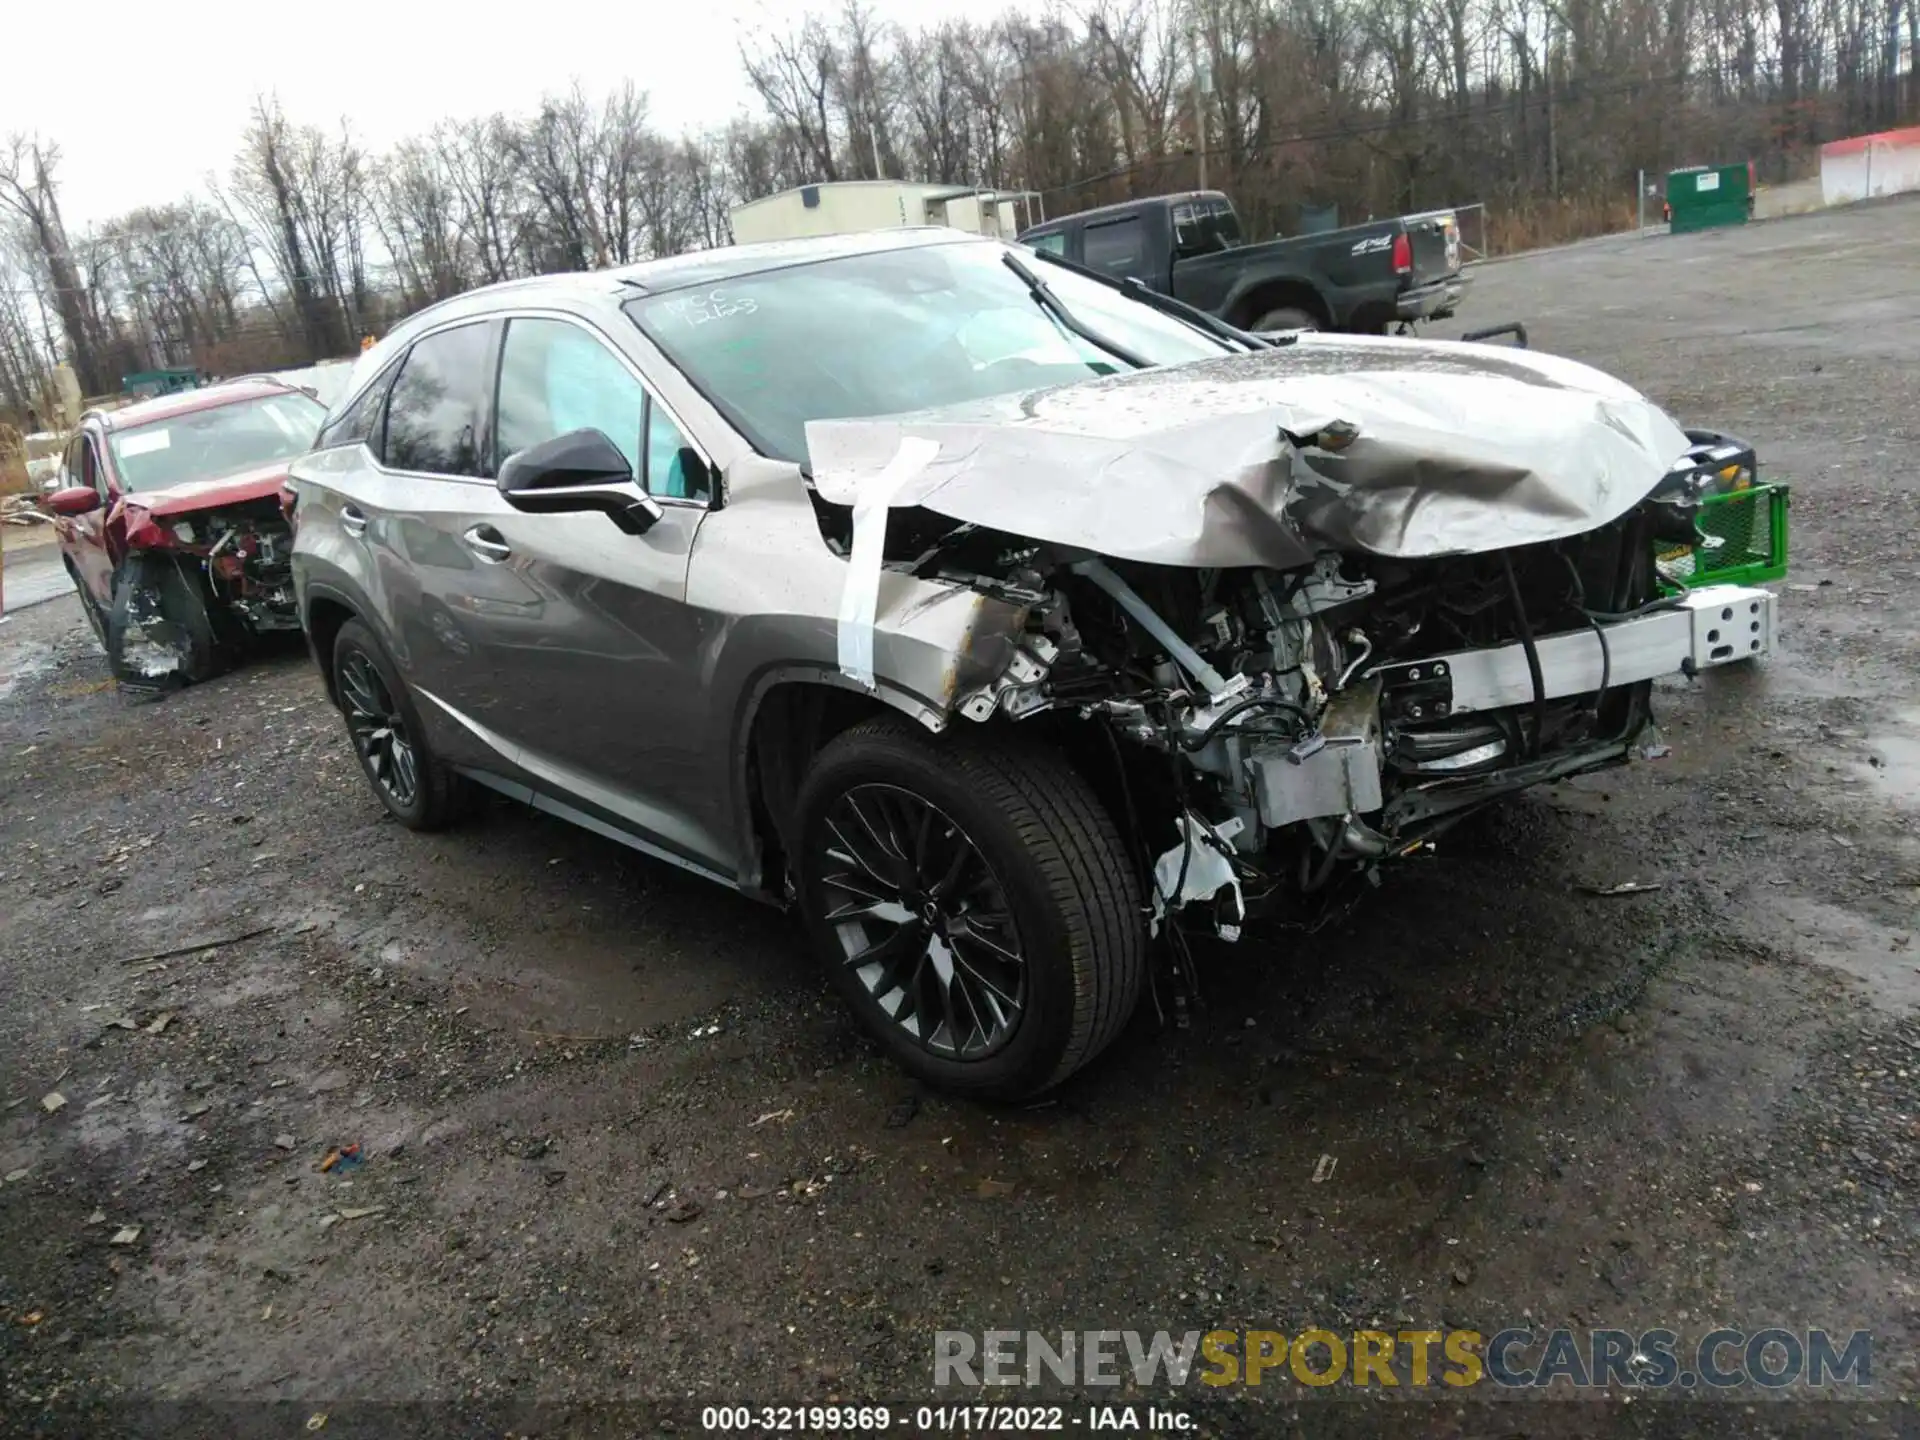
{"x":353,"y":520}
{"x":485,"y":542}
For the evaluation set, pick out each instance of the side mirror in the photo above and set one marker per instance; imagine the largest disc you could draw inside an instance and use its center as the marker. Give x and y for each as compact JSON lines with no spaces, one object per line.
{"x":74,"y":500}
{"x":580,"y":470}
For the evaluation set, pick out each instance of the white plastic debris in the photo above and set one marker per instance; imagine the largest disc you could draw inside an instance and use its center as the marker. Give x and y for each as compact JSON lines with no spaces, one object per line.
{"x":1208,"y":872}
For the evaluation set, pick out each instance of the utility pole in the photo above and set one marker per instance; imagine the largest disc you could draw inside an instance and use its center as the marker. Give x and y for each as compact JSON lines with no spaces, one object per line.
{"x":1553,"y":132}
{"x":1199,"y":109}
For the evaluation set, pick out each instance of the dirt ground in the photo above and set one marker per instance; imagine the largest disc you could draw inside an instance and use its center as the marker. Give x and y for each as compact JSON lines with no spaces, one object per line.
{"x":619,"y":1143}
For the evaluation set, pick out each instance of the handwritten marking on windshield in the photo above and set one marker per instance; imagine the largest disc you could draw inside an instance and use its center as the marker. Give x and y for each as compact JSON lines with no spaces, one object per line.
{"x":702,"y":309}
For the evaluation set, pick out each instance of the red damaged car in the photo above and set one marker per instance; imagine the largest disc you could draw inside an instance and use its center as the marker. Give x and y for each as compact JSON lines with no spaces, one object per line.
{"x":171,"y":525}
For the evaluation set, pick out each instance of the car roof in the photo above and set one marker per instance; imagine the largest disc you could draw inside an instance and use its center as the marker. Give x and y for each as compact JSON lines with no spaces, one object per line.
{"x":696,"y":267}
{"x":648,"y":277}
{"x":706,"y":267}
{"x":1120,"y":206}
{"x":188,"y":402}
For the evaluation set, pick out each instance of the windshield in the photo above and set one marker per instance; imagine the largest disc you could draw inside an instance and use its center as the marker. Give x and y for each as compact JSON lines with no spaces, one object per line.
{"x":885,"y":333}
{"x":207,"y":444}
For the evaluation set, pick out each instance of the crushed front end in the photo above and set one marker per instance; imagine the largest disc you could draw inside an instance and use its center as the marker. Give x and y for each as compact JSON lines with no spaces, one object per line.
{"x":195,"y":587}
{"x":243,"y":550}
{"x":1278,"y":726}
{"x":1329,"y":599}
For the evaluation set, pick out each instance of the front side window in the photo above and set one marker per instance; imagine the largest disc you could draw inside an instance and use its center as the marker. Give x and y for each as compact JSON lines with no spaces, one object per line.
{"x":434,"y":413}
{"x":73,"y":465}
{"x":893,"y":331}
{"x":674,"y":470}
{"x":555,"y":377}
{"x":210,"y":444}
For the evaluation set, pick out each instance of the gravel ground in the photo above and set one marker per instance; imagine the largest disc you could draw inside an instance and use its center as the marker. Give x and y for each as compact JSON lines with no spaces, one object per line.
{"x":619,"y":1144}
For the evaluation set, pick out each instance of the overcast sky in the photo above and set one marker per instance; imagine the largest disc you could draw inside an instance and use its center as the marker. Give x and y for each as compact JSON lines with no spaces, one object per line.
{"x":145,"y":100}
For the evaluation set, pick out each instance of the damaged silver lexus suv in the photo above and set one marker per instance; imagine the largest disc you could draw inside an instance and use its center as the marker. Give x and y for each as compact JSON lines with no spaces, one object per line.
{"x":995,"y":618}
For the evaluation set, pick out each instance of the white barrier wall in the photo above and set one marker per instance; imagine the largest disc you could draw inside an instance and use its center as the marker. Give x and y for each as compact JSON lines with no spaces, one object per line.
{"x":1867,"y":165}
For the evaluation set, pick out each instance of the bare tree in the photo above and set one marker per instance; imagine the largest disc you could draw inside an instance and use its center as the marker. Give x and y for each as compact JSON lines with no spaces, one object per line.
{"x":299,"y":195}
{"x":27,"y":190}
{"x":795,"y":76}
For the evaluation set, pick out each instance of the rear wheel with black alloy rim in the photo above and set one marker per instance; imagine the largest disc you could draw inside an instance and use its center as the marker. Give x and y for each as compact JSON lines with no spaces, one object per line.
{"x":974,"y":903}
{"x":388,"y":738}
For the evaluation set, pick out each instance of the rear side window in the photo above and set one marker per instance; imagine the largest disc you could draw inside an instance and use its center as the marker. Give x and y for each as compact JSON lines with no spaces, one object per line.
{"x":359,"y":423}
{"x":1051,"y":244}
{"x":438,"y":404}
{"x":1201,"y":226}
{"x":1117,"y":248}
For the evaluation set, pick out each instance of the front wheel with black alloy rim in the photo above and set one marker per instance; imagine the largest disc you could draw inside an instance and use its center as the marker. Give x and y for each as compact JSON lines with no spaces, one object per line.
{"x":974,"y":903}
{"x":388,"y":738}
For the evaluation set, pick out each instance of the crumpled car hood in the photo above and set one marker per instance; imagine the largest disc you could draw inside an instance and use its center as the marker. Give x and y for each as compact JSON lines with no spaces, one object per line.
{"x":1460,"y":449}
{"x":191,"y":495}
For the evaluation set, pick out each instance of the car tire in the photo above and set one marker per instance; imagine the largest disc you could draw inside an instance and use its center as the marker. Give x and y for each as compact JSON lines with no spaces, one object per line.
{"x":181,"y":632}
{"x":1005,"y":980}
{"x":388,"y":739}
{"x":1287,"y":317}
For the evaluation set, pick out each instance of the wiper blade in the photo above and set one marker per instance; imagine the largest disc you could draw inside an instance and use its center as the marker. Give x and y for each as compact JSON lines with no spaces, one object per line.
{"x":1051,"y":303}
{"x":1194,"y":315}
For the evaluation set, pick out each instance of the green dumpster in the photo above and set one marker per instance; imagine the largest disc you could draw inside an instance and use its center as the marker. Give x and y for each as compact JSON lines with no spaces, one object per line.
{"x":1703,"y":196}
{"x":144,"y":384}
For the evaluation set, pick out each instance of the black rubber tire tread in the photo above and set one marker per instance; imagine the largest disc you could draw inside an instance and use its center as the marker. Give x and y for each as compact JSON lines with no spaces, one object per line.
{"x":1073,"y":847}
{"x":444,"y":796}
{"x":1285,"y":317}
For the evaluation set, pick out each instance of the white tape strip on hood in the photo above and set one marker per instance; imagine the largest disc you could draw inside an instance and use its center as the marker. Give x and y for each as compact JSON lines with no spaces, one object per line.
{"x":860,"y":600}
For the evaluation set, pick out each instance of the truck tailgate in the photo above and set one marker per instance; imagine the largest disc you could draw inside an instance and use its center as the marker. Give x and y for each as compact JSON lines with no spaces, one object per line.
{"x":1436,"y":246}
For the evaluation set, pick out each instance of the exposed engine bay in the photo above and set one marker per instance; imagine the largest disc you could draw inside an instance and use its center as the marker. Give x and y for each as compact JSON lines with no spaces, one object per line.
{"x":247,"y":563}
{"x":1353,"y":709}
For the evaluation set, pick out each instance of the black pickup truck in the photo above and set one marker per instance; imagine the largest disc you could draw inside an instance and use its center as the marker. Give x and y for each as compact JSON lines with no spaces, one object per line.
{"x":1363,"y":279}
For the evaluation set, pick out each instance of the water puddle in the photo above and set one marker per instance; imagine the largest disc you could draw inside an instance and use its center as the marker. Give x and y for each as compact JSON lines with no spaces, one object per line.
{"x":22,"y":662}
{"x":1882,"y":957}
{"x":1892,"y":763}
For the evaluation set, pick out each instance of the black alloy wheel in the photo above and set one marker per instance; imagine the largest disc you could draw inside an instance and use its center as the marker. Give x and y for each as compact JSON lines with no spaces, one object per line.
{"x":973,"y":902}
{"x":379,"y":731}
{"x":923,"y":922}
